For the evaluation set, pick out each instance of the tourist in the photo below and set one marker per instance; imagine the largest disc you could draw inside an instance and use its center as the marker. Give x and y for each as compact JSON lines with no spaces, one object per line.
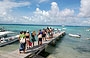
{"x":22,"y":40}
{"x":27,"y":39}
{"x":51,"y":33}
{"x":33,"y":34}
{"x":40,"y":37}
{"x":47,"y":34}
{"x":44,"y":35}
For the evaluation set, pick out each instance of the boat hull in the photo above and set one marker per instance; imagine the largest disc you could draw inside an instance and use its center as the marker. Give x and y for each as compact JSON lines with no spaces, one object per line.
{"x":72,"y":35}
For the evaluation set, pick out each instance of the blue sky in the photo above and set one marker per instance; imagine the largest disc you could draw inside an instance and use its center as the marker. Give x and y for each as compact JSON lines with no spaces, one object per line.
{"x":57,"y":12}
{"x":62,"y":4}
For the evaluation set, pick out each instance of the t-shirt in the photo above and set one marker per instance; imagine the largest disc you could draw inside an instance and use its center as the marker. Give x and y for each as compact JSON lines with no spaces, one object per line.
{"x":22,"y":36}
{"x":41,"y":32}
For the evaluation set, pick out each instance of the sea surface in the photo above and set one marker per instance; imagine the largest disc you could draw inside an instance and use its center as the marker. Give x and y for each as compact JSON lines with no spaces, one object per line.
{"x":67,"y":47}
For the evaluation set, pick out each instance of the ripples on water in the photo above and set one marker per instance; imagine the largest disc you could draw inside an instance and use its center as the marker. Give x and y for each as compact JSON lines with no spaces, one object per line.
{"x":68,"y":47}
{"x":71,"y":48}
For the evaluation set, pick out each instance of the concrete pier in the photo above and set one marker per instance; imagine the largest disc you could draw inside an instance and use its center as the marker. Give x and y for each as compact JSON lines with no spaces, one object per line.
{"x":34,"y":51}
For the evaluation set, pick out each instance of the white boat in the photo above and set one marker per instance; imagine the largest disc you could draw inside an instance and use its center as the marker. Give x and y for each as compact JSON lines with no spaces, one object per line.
{"x":74,"y":35}
{"x":4,"y":33}
{"x":8,"y":40}
{"x":7,"y":37}
{"x":88,"y":38}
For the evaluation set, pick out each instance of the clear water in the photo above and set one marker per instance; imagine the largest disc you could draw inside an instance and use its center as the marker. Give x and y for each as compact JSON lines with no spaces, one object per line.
{"x":68,"y":47}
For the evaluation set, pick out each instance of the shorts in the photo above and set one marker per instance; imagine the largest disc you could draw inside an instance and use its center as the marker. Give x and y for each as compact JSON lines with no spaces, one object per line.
{"x":40,"y":39}
{"x":44,"y":35}
{"x":22,"y":46}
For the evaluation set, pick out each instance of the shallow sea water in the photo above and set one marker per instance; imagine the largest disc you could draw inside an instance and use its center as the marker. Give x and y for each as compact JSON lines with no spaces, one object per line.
{"x":68,"y":47}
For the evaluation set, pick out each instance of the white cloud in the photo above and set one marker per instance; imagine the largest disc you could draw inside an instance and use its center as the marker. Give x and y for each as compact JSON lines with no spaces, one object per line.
{"x":25,"y":17}
{"x":54,"y":9}
{"x":38,"y":11}
{"x":57,"y":16}
{"x":53,"y":16}
{"x":84,"y":8}
{"x":41,"y":13}
{"x":67,"y":12}
{"x":6,"y":7}
{"x":54,"y":6}
{"x":41,"y":1}
{"x":86,"y":22}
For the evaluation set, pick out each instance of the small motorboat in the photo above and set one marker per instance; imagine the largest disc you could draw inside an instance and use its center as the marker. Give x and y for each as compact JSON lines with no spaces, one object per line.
{"x":88,"y":38}
{"x":7,"y":37}
{"x":74,"y":35}
{"x":4,"y":33}
{"x":8,"y":40}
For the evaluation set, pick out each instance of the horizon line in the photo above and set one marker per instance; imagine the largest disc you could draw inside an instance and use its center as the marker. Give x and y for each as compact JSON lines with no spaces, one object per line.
{"x":40,"y":24}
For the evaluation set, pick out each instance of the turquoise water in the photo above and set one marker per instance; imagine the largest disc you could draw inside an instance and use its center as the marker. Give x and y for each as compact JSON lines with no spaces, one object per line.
{"x":68,"y":47}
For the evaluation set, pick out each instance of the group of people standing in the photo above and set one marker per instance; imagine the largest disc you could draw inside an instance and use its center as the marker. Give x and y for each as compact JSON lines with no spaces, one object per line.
{"x":24,"y":38}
